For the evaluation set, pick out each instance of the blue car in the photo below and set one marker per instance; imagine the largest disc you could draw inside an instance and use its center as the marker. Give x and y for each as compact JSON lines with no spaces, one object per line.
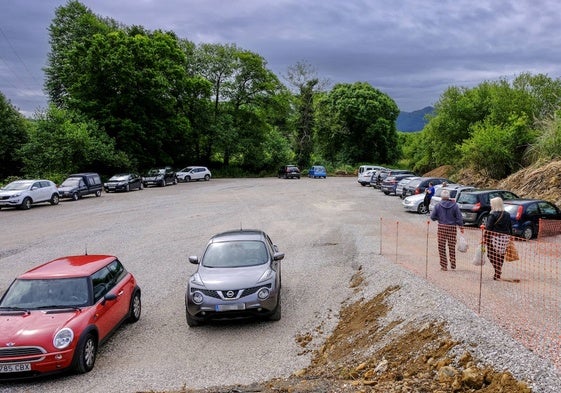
{"x":317,"y":171}
{"x":527,"y":213}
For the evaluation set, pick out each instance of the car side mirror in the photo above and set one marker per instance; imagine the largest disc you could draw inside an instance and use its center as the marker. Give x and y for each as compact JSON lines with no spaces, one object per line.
{"x":109,"y":296}
{"x":194,"y":259}
{"x":278,"y":256}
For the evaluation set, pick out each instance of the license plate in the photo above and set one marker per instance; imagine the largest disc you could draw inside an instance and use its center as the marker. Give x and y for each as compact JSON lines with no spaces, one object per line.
{"x":15,"y":368}
{"x":230,"y":307}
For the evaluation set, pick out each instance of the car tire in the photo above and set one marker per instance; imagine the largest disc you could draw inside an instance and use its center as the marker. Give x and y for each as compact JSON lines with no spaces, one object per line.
{"x":422,"y":209}
{"x":98,"y":193}
{"x":162,"y":183}
{"x":277,"y":312}
{"x":75,"y":196}
{"x":187,"y":179}
{"x":528,"y":233}
{"x":127,"y":188}
{"x":26,"y":204}
{"x":175,"y":181}
{"x":135,"y":308}
{"x":141,"y":186}
{"x":85,"y":354}
{"x":192,"y":322}
{"x":55,"y":199}
{"x":483,"y":220}
{"x":386,"y":193}
{"x":207,"y":177}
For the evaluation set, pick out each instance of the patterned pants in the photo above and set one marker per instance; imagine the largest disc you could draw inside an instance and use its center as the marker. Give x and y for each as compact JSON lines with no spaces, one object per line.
{"x":446,"y":235}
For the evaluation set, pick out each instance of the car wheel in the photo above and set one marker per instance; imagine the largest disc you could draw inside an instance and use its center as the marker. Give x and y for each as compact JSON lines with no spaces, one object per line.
{"x":386,"y":192}
{"x":483,"y":220}
{"x":422,"y":209}
{"x":135,"y":308}
{"x":127,"y":188}
{"x":277,"y":313}
{"x":174,"y":181}
{"x":192,"y":322}
{"x":26,"y":204}
{"x":75,"y":196}
{"x":187,"y":178}
{"x":84,"y":357}
{"x":528,"y":233}
{"x":98,"y":193}
{"x":207,"y":177}
{"x":162,"y":183}
{"x":55,"y":199}
{"x":141,"y":186}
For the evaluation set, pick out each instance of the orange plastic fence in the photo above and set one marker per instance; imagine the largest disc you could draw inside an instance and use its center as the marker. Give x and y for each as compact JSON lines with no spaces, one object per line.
{"x":526,"y":301}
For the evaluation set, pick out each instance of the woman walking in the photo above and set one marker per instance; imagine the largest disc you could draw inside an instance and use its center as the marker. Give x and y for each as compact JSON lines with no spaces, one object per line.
{"x":497,"y":235}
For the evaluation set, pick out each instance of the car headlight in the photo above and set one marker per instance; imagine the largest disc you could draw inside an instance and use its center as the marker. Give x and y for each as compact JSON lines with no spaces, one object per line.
{"x":196,"y":280}
{"x":16,"y":195}
{"x":267,"y":275}
{"x":122,"y":183}
{"x":63,"y":338}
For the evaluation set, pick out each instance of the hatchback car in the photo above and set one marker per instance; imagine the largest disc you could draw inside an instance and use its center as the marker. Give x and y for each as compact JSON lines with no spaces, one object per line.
{"x":402,"y":184}
{"x":55,"y":316}
{"x":123,"y":182}
{"x":455,"y":191}
{"x":317,"y":172}
{"x":389,"y":184}
{"x":239,"y":275}
{"x":24,"y":193}
{"x":415,"y":203}
{"x":476,"y":205}
{"x":418,"y":186}
{"x":159,"y":177}
{"x":194,"y":173}
{"x":289,"y":172}
{"x":527,"y":213}
{"x":378,"y":177}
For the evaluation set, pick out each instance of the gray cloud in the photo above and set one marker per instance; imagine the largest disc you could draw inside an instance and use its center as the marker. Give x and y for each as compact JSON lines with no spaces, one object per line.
{"x":410,"y":50}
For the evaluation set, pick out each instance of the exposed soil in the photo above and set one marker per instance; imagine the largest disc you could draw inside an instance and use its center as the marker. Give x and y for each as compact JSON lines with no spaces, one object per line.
{"x":412,"y":358}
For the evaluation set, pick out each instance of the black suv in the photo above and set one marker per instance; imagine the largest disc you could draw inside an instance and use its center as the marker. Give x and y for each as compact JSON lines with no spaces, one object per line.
{"x":476,"y":205}
{"x":289,"y":172}
{"x":160,"y":177}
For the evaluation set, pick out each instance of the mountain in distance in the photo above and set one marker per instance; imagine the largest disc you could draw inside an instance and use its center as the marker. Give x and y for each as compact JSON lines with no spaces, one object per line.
{"x":413,"y":121}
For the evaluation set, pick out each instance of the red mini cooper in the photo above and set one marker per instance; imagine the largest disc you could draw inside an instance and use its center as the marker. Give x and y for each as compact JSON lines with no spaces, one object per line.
{"x":54,"y":316}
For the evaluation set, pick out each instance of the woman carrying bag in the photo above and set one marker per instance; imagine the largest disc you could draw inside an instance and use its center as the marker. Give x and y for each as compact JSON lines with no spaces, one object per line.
{"x":497,"y":235}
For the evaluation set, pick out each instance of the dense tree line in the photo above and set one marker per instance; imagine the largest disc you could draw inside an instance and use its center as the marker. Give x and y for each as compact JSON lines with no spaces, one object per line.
{"x":125,"y":98}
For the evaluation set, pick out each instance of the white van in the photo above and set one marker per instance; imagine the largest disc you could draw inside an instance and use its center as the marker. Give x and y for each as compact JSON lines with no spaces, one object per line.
{"x":364,"y":173}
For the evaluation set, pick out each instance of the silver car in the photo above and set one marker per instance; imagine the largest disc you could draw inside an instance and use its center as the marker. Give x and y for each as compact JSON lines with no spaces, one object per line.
{"x":239,"y":275}
{"x":23,"y":193}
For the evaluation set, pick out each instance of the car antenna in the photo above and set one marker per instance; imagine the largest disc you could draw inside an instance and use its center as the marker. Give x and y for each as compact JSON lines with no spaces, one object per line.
{"x":86,"y":249}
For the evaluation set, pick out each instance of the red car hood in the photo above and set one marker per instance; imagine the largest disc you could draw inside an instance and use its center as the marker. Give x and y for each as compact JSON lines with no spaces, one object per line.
{"x":34,"y":328}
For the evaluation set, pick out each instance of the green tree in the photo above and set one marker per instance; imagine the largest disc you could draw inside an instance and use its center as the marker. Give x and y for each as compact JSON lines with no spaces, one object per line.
{"x":358,"y":124}
{"x":13,"y":134}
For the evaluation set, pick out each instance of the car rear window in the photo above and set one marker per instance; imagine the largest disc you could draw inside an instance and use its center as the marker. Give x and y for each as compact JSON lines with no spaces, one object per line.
{"x":466,"y":197}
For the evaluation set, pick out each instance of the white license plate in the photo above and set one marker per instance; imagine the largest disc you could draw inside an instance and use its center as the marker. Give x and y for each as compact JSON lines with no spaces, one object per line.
{"x":15,"y":368}
{"x":230,"y":307}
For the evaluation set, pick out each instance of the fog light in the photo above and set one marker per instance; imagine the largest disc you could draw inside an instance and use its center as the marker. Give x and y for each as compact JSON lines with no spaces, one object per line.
{"x":263,"y":293}
{"x":58,"y":356}
{"x":197,"y":297}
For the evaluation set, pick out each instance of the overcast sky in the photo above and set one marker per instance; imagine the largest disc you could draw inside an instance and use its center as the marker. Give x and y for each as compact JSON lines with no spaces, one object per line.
{"x":410,"y":50}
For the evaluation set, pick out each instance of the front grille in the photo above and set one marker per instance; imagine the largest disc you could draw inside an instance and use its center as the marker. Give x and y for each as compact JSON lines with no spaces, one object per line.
{"x":217,"y":294}
{"x":8,"y":354}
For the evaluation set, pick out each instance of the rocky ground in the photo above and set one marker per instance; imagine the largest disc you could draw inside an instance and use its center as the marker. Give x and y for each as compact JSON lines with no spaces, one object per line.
{"x":421,"y":358}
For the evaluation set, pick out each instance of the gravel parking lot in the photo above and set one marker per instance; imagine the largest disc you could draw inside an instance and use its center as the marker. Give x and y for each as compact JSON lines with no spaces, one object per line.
{"x":153,"y":232}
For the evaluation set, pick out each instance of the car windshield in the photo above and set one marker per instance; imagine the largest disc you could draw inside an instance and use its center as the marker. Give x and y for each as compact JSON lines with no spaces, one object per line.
{"x":235,"y":254}
{"x":71,"y":182}
{"x":119,"y":178}
{"x":44,"y":293}
{"x":188,"y":169}
{"x":155,"y":172}
{"x":18,"y":185}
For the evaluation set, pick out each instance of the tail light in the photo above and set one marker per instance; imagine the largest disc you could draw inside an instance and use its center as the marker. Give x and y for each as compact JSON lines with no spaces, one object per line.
{"x":476,"y":207}
{"x":519,"y":213}
{"x":417,"y":191}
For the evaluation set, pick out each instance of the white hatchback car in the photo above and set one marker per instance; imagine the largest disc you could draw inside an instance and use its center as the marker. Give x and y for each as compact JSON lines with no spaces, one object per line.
{"x":194,"y":173}
{"x":23,"y":193}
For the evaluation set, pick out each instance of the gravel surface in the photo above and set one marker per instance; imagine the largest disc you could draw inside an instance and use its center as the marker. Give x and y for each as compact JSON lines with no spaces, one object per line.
{"x":327,"y":230}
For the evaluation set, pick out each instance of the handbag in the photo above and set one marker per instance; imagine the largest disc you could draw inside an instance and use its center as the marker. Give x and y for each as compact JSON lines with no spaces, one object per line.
{"x":479,"y":257}
{"x":462,"y":244}
{"x":511,"y":252}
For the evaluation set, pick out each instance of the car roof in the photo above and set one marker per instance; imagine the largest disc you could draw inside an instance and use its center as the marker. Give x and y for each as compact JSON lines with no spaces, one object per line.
{"x":239,"y":234}
{"x":69,"y":266}
{"x":524,"y":201}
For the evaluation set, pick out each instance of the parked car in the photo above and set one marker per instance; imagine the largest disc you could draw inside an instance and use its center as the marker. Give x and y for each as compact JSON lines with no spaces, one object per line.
{"x":79,"y":185}
{"x":378,"y":177}
{"x":389,"y":184}
{"x":194,"y":173}
{"x":415,"y":203}
{"x":159,"y":177}
{"x":476,"y":205}
{"x":55,"y":316}
{"x":363,"y":177}
{"x":418,"y":186}
{"x":317,"y":171}
{"x":123,"y":182}
{"x":527,"y":213}
{"x":239,"y":275}
{"x":455,"y":191}
{"x":24,"y":193}
{"x":402,"y":184}
{"x":289,"y":172}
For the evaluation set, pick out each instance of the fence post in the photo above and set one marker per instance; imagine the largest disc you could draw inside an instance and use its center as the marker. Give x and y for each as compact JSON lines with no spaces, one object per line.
{"x":481,"y":244}
{"x":381,"y":235}
{"x":427,"y":252}
{"x":396,"y":239}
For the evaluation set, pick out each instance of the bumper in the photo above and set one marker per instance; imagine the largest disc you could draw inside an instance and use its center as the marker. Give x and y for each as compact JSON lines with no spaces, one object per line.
{"x":469,"y":218}
{"x":11,"y":202}
{"x":49,"y":363}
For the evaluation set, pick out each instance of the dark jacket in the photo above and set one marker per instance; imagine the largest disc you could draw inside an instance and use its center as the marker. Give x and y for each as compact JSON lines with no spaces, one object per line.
{"x":447,"y":212}
{"x":499,"y":222}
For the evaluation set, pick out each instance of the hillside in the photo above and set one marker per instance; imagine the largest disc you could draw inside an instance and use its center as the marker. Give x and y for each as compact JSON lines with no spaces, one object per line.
{"x":413,"y":121}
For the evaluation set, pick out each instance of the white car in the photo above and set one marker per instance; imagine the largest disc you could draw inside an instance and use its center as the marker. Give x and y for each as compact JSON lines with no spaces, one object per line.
{"x":455,"y":190}
{"x":194,"y":173}
{"x":414,"y":203}
{"x":23,"y":193}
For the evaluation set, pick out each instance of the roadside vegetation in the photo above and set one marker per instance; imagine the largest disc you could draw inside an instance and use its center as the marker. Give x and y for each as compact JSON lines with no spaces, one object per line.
{"x":123,"y":98}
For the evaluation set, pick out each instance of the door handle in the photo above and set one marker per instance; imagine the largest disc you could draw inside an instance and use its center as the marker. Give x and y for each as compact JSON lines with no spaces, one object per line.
{"x":120,"y":293}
